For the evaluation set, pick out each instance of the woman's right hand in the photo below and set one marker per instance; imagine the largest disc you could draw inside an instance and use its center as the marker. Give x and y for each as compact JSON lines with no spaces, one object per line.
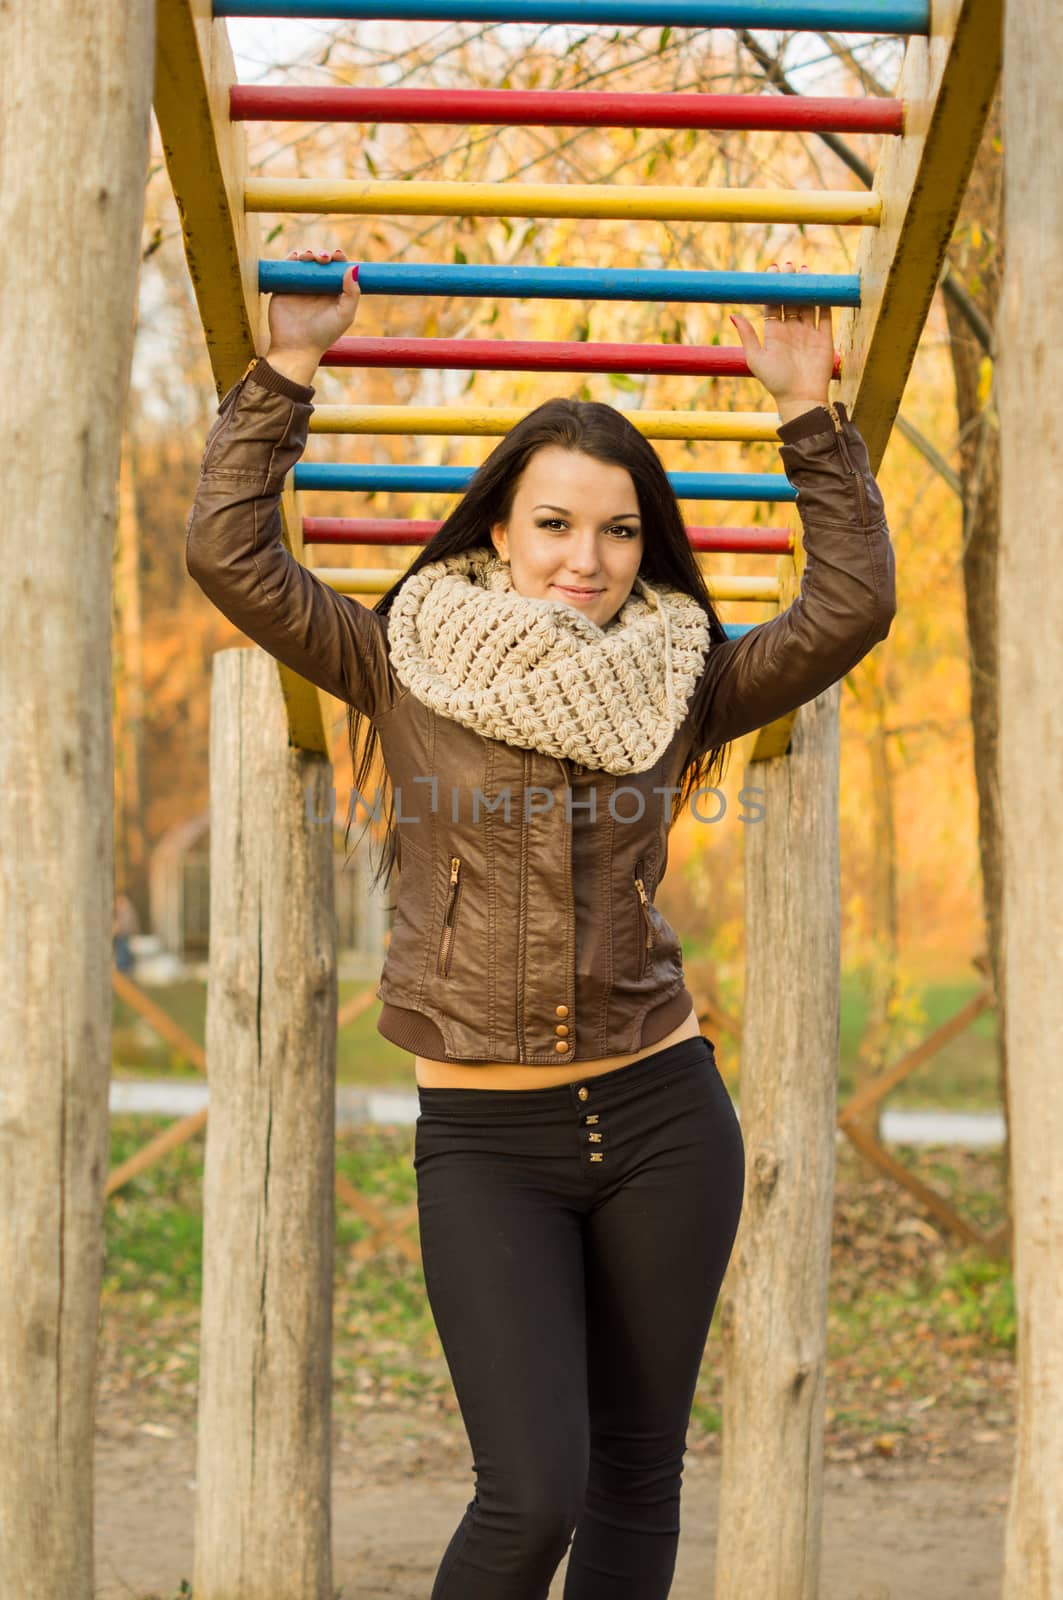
{"x":303,"y":326}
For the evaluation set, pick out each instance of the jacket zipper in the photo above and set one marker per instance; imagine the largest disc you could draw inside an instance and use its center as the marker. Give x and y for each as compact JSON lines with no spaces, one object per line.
{"x":450,"y":916}
{"x":644,"y":905}
{"x":847,"y":458}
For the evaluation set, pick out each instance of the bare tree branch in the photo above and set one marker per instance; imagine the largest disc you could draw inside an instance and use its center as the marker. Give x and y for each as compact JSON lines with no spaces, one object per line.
{"x":947,"y":283}
{"x":930,"y":453}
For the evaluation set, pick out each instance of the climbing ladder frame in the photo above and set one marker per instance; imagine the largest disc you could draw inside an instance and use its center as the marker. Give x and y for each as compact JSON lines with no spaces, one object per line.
{"x":931,"y":132}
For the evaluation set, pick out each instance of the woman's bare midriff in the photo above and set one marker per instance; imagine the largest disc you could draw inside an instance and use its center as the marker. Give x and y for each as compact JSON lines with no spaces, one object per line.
{"x":504,"y":1075}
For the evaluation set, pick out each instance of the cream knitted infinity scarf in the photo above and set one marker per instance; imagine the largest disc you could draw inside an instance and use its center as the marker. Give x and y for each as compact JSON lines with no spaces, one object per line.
{"x":537,"y":673}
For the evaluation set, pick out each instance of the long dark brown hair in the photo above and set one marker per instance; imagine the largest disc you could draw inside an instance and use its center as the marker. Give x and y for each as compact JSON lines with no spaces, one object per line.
{"x":592,"y":429}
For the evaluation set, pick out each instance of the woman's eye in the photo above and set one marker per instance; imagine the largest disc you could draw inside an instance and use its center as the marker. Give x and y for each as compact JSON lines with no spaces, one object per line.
{"x":618,"y":527}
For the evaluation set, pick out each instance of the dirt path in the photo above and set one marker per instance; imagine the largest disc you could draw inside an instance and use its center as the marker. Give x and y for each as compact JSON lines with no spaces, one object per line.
{"x":892,"y":1530}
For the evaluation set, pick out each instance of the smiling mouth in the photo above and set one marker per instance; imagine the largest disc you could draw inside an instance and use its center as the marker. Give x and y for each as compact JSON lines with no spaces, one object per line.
{"x":581,"y":594}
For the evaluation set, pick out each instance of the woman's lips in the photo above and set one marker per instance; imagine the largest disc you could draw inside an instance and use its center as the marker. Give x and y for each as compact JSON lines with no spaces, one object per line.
{"x":577,"y":594}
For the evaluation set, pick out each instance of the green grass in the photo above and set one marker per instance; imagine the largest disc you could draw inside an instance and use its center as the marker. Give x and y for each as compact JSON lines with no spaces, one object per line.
{"x":153,"y":1224}
{"x":137,"y":1050}
{"x":915,"y":1320}
{"x":962,"y":1076}
{"x":364,"y":1058}
{"x":385,"y":1347}
{"x":969,"y":1299}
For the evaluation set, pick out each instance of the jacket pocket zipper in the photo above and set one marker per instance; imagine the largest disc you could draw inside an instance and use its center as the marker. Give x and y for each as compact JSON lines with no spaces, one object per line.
{"x":644,"y":905}
{"x":450,"y":916}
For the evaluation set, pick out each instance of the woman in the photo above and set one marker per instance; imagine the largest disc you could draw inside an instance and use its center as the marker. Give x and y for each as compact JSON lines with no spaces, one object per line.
{"x":553,"y":649}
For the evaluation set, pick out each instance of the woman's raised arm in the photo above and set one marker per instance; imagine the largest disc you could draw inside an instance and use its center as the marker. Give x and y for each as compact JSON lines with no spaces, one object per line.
{"x":234,"y":546}
{"x":847,"y":598}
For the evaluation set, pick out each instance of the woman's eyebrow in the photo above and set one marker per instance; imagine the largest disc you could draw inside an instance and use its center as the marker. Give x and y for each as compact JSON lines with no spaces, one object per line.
{"x":545,"y":506}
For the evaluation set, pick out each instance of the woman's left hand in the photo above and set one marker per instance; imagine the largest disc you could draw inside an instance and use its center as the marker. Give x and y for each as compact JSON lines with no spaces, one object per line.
{"x":796,"y":360}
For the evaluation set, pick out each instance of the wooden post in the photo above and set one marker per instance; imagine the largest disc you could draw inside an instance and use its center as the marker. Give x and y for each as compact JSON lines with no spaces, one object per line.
{"x":774,"y":1301}
{"x":75,"y":100}
{"x":1030,"y":353}
{"x":774,"y":1305}
{"x":263,"y":1509}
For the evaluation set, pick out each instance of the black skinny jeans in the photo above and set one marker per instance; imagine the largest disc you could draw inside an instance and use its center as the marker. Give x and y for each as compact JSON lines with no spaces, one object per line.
{"x":574,"y":1240}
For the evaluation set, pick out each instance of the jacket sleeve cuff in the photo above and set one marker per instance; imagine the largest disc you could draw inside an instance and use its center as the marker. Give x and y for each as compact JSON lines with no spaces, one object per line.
{"x":816,"y":420}
{"x":262,"y":373}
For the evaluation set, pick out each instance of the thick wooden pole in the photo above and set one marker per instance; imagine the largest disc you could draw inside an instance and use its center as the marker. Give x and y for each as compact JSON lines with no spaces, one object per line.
{"x":774,"y":1304}
{"x":262,"y":1524}
{"x":75,"y":100}
{"x":1030,"y":350}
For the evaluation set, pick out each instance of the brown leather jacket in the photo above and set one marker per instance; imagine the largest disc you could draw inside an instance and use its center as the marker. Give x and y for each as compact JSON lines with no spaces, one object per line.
{"x":525,"y":928}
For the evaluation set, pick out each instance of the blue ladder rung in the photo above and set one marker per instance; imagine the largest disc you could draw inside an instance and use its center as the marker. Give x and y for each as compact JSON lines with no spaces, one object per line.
{"x":566,"y":283}
{"x":455,"y":480}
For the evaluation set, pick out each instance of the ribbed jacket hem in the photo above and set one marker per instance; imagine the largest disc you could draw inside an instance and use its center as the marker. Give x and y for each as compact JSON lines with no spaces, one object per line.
{"x":413,"y":1031}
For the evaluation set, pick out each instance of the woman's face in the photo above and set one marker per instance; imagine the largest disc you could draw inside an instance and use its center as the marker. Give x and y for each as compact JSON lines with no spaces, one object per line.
{"x":574,"y":533}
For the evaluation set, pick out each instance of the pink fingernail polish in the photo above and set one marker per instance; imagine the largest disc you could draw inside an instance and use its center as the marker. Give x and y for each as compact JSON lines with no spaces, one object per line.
{"x":354,"y":272}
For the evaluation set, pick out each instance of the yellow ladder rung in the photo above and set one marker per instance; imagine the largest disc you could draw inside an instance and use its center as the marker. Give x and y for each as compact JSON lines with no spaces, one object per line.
{"x":477,"y":421}
{"x":670,"y":203}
